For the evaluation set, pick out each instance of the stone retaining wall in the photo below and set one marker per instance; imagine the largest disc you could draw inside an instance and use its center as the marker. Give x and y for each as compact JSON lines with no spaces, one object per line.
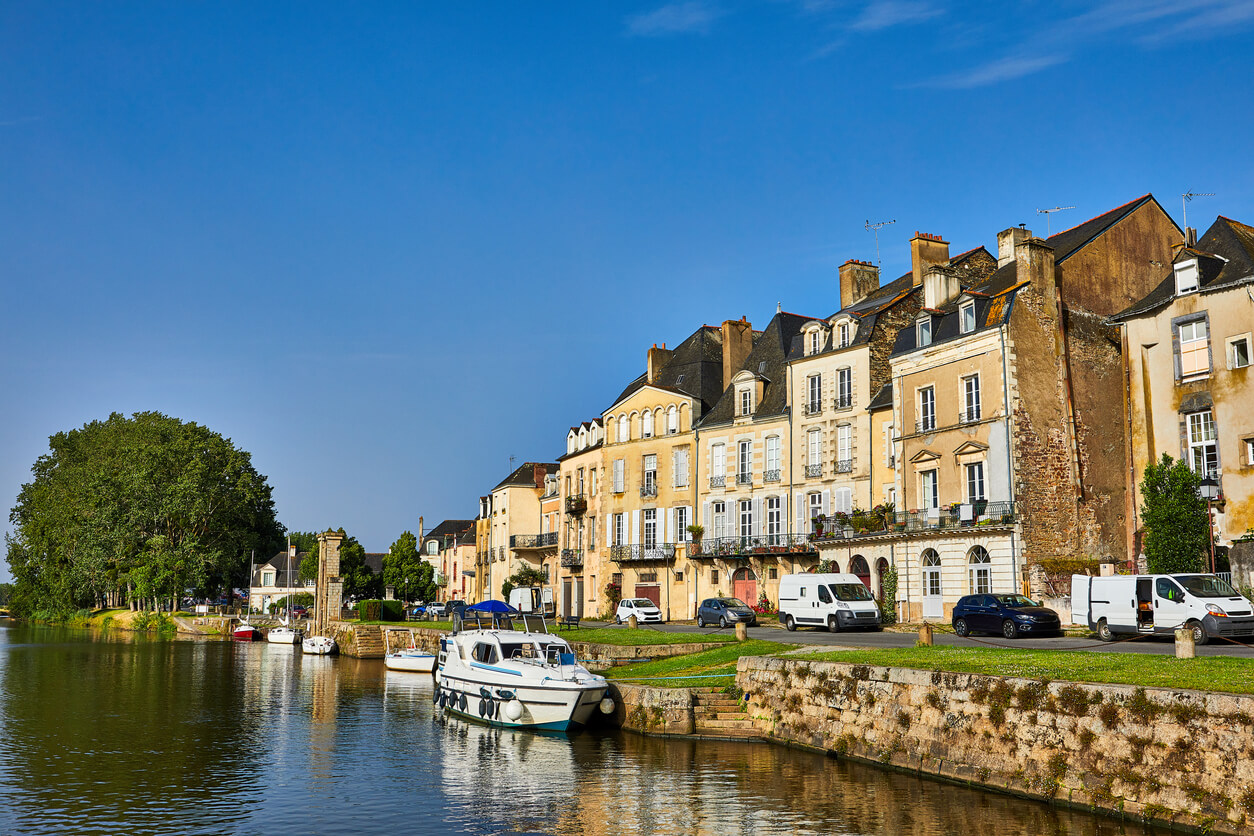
{"x":1184,"y":758}
{"x":651,"y":710}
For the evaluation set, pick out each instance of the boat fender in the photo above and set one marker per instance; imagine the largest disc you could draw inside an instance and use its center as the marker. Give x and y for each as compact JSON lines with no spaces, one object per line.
{"x":483,"y":707}
{"x":607,"y":705}
{"x":491,"y":707}
{"x":514,"y":709}
{"x":463,"y":702}
{"x":435,"y":695}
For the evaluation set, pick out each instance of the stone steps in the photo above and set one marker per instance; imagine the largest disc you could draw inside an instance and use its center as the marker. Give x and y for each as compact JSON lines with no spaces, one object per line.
{"x":718,"y":715}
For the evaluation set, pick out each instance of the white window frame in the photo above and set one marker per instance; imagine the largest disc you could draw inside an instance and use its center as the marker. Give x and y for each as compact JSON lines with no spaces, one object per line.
{"x":774,"y":519}
{"x":966,"y":317}
{"x":1194,"y":351}
{"x":927,"y":408}
{"x":718,"y":460}
{"x":681,"y":467}
{"x":923,"y":332}
{"x":814,"y":504}
{"x":648,"y":467}
{"x":1230,"y":349}
{"x":620,"y":470}
{"x":681,"y":525}
{"x":929,"y":489}
{"x":646,"y":424}
{"x":814,"y":391}
{"x":979,"y":571}
{"x":620,"y":529}
{"x":649,"y":529}
{"x":744,"y":458}
{"x":745,"y":515}
{"x":843,"y":330}
{"x":746,"y":401}
{"x":1249,"y":451}
{"x":672,"y":421}
{"x":623,"y":429}
{"x":814,"y":446}
{"x":772,"y":452}
{"x":1187,"y":276}
{"x":844,"y":443}
{"x":816,"y":341}
{"x":976,"y":488}
{"x":971,"y":406}
{"x":718,"y":514}
{"x":1202,"y":437}
{"x":844,"y":388}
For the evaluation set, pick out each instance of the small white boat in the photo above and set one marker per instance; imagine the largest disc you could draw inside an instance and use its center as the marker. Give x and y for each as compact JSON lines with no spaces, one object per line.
{"x":517,"y":678}
{"x":283,"y":635}
{"x":416,"y":661}
{"x":319,"y":645}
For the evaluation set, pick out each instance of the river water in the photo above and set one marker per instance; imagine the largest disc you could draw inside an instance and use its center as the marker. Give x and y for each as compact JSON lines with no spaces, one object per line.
{"x":115,"y":733}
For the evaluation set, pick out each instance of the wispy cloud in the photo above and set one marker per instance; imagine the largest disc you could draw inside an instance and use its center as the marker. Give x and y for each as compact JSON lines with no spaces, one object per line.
{"x":692,"y":16}
{"x":995,"y":72}
{"x":21,"y":120}
{"x":882,"y":14}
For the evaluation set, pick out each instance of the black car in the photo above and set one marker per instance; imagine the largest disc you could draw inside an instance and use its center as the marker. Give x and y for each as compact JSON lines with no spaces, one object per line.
{"x":1010,"y":615}
{"x":725,"y":611}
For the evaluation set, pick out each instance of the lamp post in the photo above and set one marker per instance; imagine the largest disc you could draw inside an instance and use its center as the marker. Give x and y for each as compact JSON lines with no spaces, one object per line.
{"x":1209,"y":490}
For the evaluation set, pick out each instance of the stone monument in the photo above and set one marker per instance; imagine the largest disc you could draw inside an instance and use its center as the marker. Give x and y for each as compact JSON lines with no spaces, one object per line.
{"x":329,"y":593}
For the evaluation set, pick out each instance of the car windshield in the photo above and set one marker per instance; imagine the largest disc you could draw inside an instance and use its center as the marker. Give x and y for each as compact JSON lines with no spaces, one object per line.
{"x":732,"y":602}
{"x":1206,"y":586}
{"x":850,"y":591}
{"x":640,"y":602}
{"x":1014,"y":601}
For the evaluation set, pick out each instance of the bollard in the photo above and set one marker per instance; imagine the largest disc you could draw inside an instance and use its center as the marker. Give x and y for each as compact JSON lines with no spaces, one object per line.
{"x":632,"y":622}
{"x":742,"y":632}
{"x":1186,"y":648}
{"x":925,"y":635}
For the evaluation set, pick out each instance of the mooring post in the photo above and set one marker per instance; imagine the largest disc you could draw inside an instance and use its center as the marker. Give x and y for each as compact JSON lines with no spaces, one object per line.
{"x":742,"y":631}
{"x":1186,"y":648}
{"x":925,"y":635}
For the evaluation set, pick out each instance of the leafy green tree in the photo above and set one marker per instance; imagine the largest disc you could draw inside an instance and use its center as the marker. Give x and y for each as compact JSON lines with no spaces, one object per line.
{"x":359,"y":581}
{"x":525,"y":576}
{"x":1174,"y":518}
{"x":404,"y":568}
{"x":309,"y":565}
{"x":136,"y":508}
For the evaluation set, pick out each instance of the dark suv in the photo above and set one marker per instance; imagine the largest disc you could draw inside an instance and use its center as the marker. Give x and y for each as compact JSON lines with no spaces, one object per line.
{"x":1010,"y":615}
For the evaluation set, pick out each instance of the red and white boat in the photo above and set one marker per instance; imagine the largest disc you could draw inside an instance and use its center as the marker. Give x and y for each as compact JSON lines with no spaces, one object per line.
{"x":245,"y":632}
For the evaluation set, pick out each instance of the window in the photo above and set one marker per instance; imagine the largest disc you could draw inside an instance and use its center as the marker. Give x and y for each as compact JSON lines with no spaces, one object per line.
{"x":815,"y":341}
{"x":890,"y":452}
{"x":815,"y":502}
{"x":744,"y":463}
{"x":814,"y":452}
{"x":844,"y":448}
{"x":646,"y":425}
{"x":433,"y":547}
{"x":774,"y":520}
{"x":1194,"y":348}
{"x":718,"y":465}
{"x":618,"y":475}
{"x":624,"y":431}
{"x":814,"y":388}
{"x":649,"y":483}
{"x":681,"y":468}
{"x":267,"y":578}
{"x":923,"y":329}
{"x":843,"y":330}
{"x":844,"y":388}
{"x":746,"y":401}
{"x":970,"y":399}
{"x":620,"y":529}
{"x":719,"y":510}
{"x":975,"y":482}
{"x":927,"y":409}
{"x":1239,"y":352}
{"x":681,"y":525}
{"x":746,"y":518}
{"x":979,"y":571}
{"x":772,"y":573}
{"x":592,"y":481}
{"x":1203,"y":449}
{"x":672,"y":420}
{"x":966,"y":317}
{"x":592,"y":532}
{"x":713,"y":576}
{"x":650,"y":528}
{"x":931,"y":495}
{"x":772,"y":459}
{"x":1186,"y":276}
{"x":1249,"y":452}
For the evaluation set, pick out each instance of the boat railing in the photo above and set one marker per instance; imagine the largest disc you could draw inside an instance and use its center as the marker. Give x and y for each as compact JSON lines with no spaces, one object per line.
{"x":470,"y":620}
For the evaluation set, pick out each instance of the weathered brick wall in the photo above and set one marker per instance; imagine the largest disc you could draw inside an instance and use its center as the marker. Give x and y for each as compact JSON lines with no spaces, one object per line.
{"x":1179,"y":757}
{"x":887,"y":324}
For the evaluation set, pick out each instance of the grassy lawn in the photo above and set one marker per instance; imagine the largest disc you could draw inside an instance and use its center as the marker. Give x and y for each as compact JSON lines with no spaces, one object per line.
{"x":720,"y":661}
{"x":640,"y":637}
{"x":1204,"y":673}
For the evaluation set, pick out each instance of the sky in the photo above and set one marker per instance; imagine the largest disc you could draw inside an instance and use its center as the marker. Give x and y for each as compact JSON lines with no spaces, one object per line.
{"x":390,"y":249}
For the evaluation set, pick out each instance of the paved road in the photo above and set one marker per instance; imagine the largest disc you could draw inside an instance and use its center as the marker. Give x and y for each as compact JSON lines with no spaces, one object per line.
{"x":888,"y":639}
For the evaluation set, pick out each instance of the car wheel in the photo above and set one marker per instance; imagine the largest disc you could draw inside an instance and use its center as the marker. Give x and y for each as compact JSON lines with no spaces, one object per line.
{"x":722,"y":621}
{"x":961,"y":627}
{"x":700,"y":621}
{"x":1009,"y":629}
{"x":789,"y":624}
{"x":1199,"y":632}
{"x":833,"y":624}
{"x":1104,"y":632}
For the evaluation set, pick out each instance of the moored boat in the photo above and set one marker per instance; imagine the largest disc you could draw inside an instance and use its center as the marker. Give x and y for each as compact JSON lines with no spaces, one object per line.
{"x":410,"y":658}
{"x":283,"y":635}
{"x":245,"y":632}
{"x":319,"y":645}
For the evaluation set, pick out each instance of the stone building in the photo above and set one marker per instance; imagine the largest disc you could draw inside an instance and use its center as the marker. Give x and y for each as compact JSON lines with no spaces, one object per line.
{"x":581,"y":548}
{"x":449,"y":548}
{"x":277,"y":578}
{"x":1188,"y":350}
{"x":522,"y":532}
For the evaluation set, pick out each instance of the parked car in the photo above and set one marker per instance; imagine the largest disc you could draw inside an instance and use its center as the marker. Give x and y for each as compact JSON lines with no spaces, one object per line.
{"x":1010,"y":615}
{"x":725,"y":611}
{"x":454,"y":607}
{"x":642,"y":608}
{"x":436,"y":609}
{"x":300,"y":611}
{"x":1158,"y":604}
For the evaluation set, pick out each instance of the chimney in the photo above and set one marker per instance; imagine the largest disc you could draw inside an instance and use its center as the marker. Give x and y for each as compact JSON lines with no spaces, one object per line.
{"x":539,"y":471}
{"x":1007,"y":240}
{"x":940,"y":285}
{"x":1034,"y":262}
{"x":737,"y":343}
{"x":1190,"y":236}
{"x":926,"y":250}
{"x":658,"y":358}
{"x":858,"y":280}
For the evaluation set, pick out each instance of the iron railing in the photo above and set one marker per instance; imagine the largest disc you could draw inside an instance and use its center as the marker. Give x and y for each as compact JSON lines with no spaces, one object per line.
{"x":572,"y":557}
{"x":640,"y":553}
{"x":648,"y":490}
{"x":844,"y":466}
{"x":576,"y":504}
{"x":744,"y":478}
{"x":814,"y":408}
{"x":844,"y":401}
{"x":771,"y":476}
{"x":533,"y":541}
{"x":979,"y":514}
{"x":814,"y":470}
{"x":969,"y":416}
{"x":748,"y":546}
{"x":718,"y":481}
{"x":926,"y":425}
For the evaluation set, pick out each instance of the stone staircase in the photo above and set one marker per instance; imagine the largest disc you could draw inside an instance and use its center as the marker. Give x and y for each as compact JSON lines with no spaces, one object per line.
{"x":717,"y":714}
{"x":367,"y":642}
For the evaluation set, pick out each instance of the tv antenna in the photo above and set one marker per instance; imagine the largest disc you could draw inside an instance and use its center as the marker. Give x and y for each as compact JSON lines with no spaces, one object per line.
{"x":511,"y":463}
{"x":1186,"y":199}
{"x":1048,"y":212}
{"x":870,"y":227}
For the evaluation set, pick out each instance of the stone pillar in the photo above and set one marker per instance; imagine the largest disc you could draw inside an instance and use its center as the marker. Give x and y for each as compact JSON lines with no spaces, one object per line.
{"x":925,"y":635}
{"x":742,"y":632}
{"x":1186,"y":648}
{"x":329,"y":593}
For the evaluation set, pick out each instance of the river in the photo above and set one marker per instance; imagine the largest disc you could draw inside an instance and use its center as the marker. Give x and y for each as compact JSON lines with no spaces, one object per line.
{"x":109,"y":733}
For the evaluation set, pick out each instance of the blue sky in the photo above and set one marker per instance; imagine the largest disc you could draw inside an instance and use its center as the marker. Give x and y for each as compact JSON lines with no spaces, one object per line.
{"x":385,"y":248}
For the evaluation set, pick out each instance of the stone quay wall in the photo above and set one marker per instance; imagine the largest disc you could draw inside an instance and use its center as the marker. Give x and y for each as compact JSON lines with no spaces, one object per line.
{"x":1174,"y":757}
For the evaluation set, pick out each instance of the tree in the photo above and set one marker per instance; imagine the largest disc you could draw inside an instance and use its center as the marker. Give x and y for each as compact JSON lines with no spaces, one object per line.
{"x":306,"y":543}
{"x":525,"y":576}
{"x":404,"y":568}
{"x":359,"y":581}
{"x":136,"y":509}
{"x":1174,"y":518}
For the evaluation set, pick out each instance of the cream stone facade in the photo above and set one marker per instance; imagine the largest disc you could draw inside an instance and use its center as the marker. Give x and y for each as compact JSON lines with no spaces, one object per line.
{"x":582,"y":533}
{"x":522,"y":507}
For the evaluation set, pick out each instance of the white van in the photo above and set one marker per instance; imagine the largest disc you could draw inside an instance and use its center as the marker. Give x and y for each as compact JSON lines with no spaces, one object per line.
{"x":1148,"y":604}
{"x":532,"y":599}
{"x":834,"y":601}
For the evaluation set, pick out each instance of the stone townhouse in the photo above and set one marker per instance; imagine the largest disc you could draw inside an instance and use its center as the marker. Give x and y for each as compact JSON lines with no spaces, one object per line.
{"x":1188,"y":350}
{"x":581,"y":548}
{"x":277,"y":578}
{"x":450,"y":549}
{"x":523,"y":530}
{"x":744,"y":477}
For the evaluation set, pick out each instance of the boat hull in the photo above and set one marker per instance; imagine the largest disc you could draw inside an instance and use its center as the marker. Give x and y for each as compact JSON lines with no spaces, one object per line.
{"x":412,"y":662}
{"x":564,"y":707}
{"x":319,"y":646}
{"x":283,"y":635}
{"x":245,"y":634}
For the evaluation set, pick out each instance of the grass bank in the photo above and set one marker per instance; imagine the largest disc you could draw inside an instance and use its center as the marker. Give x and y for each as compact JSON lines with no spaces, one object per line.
{"x":617,"y":636}
{"x":720,"y":662}
{"x":1205,"y":673}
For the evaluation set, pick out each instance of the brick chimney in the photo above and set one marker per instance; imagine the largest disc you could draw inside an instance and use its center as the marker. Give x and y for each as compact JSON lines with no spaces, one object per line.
{"x":539,"y":471}
{"x":858,"y":280}
{"x":1007,"y":240}
{"x":925,"y":250}
{"x":1034,"y":262}
{"x":658,"y":358}
{"x":737,"y":343}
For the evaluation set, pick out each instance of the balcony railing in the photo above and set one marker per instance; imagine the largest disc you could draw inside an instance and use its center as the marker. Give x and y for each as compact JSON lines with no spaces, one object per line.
{"x":533,"y":541}
{"x":771,"y":476}
{"x":648,"y":490}
{"x":748,"y":546}
{"x":969,"y":416}
{"x":576,"y":504}
{"x":843,"y":401}
{"x":979,"y":514}
{"x":718,"y":481}
{"x":844,"y":466}
{"x":744,"y":478}
{"x":814,"y":471}
{"x":813,"y":408}
{"x":926,"y":425}
{"x":641,"y":553}
{"x":572,"y":557}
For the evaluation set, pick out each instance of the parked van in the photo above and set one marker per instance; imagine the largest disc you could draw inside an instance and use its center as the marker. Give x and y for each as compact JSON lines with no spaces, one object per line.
{"x":834,"y":601}
{"x":532,"y":599}
{"x":1130,"y":604}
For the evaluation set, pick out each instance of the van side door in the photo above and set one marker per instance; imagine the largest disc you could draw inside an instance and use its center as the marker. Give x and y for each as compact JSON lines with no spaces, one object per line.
{"x":1171,"y":606}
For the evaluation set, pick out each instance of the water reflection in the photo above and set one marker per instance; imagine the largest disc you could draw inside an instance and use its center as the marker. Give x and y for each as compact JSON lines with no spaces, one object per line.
{"x":117,"y":733}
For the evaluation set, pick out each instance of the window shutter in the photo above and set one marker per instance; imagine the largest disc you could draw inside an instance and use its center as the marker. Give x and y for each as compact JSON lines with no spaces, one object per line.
{"x":608,"y":534}
{"x":635,"y":527}
{"x":801,"y":514}
{"x":684,"y":536}
{"x":662,"y":517}
{"x":757,"y":516}
{"x":827,"y":501}
{"x":707,"y":523}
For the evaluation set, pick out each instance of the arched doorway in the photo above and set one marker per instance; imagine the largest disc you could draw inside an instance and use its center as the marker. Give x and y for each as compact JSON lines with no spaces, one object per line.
{"x":881,"y":569}
{"x":933,"y":603}
{"x":745,"y":585}
{"x":979,"y":571}
{"x":858,"y":566}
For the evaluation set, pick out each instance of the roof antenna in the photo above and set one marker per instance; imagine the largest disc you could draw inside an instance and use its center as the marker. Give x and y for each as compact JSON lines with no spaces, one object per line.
{"x":511,"y":463}
{"x":1186,"y":199}
{"x":1048,"y":212}
{"x":870,"y":227}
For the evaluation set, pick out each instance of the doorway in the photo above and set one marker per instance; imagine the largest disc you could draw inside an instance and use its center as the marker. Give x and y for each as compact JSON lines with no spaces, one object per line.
{"x":745,"y":585}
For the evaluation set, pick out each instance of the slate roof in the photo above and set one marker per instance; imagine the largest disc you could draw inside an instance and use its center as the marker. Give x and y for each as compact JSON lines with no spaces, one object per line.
{"x":993,"y":298}
{"x":374,"y":561}
{"x":769,"y":361}
{"x":280,"y":563}
{"x":445,"y":529}
{"x":525,"y":475}
{"x":695,"y":369}
{"x":1226,"y":239}
{"x":883,"y":398}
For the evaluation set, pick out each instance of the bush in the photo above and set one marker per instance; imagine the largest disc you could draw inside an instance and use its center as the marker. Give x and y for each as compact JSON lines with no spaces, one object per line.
{"x":375,"y":609}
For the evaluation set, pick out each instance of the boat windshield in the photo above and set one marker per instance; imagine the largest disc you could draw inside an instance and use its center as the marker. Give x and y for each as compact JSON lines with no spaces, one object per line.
{"x":1206,"y":586}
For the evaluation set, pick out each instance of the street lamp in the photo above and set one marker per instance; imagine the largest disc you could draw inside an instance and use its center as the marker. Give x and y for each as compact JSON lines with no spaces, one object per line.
{"x":1209,"y":490}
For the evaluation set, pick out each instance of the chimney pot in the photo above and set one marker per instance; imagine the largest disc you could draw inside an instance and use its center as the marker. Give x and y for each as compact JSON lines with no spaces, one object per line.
{"x":926,"y":250}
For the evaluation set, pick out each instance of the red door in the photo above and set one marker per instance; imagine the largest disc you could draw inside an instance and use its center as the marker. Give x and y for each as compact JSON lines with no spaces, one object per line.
{"x":858,"y":566}
{"x":652,"y":592}
{"x":745,"y":585}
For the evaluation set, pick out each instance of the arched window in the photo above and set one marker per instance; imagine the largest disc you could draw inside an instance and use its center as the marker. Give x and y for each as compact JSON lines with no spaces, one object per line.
{"x":624,"y":429}
{"x":979,"y":571}
{"x":881,"y":570}
{"x":646,"y":425}
{"x":672,"y":420}
{"x":858,"y":566}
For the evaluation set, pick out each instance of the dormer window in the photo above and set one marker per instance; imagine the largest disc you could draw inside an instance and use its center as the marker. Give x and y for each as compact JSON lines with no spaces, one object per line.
{"x":816,"y":341}
{"x":923,"y":332}
{"x":842,"y":330}
{"x":966,"y":317}
{"x":745,"y":401}
{"x":1186,"y":276}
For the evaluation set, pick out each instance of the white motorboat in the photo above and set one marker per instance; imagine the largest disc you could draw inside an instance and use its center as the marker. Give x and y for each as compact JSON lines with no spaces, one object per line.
{"x":319,"y":645}
{"x":410,"y":658}
{"x":283,"y":635}
{"x":516,"y":678}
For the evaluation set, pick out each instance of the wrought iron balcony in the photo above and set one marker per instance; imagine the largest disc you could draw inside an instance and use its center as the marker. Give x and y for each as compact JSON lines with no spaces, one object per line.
{"x":926,"y":425}
{"x":640,"y":553}
{"x":745,"y":547}
{"x":572,"y":557}
{"x":844,"y":466}
{"x":718,"y":481}
{"x":533,"y":541}
{"x":744,"y":478}
{"x":576,"y":504}
{"x":844,"y":401}
{"x":969,"y":416}
{"x":979,"y":514}
{"x":648,"y":490}
{"x":813,"y":408}
{"x":771,"y":476}
{"x":813,"y":471}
